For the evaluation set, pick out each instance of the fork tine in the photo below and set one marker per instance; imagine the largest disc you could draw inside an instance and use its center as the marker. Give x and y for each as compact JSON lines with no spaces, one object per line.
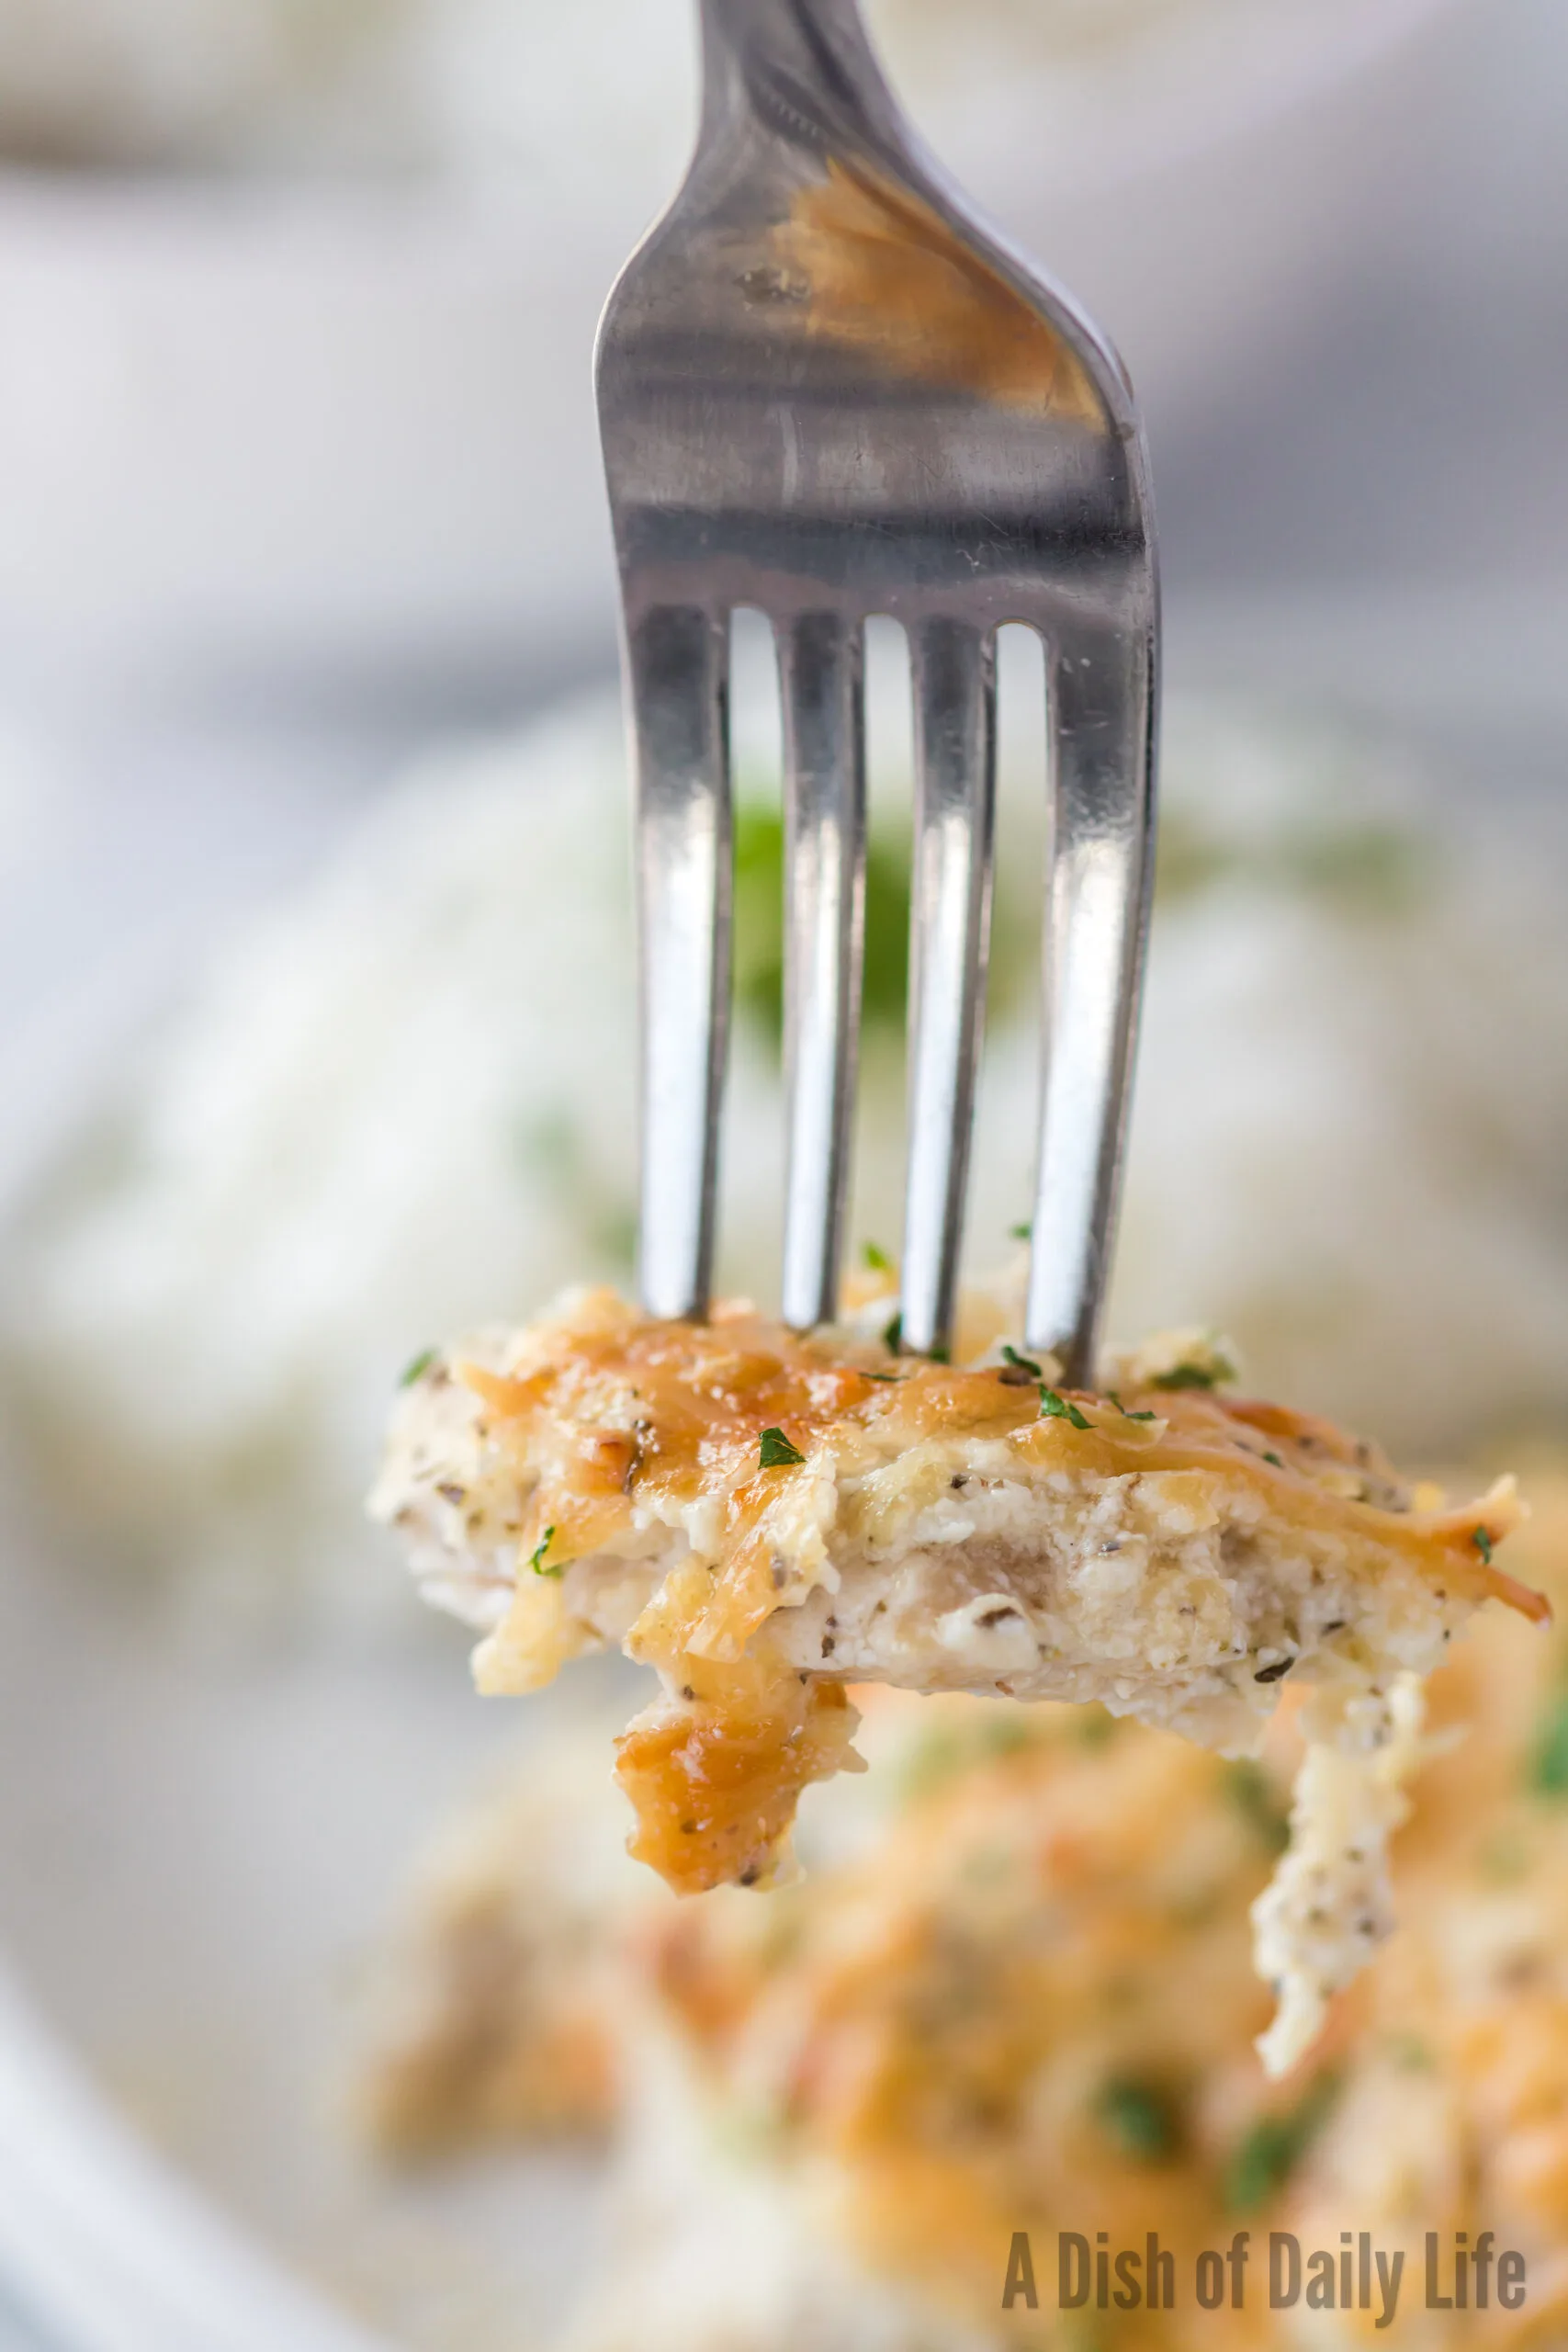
{"x":677,"y":663}
{"x":955,"y":680}
{"x":821,"y":673}
{"x":1103,"y":691}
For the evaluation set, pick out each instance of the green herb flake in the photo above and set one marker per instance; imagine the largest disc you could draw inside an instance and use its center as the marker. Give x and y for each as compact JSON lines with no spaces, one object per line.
{"x":537,"y":1557}
{"x":1126,"y":1416}
{"x":1275,"y":1460}
{"x":1024,"y":1364}
{"x":893,"y":1335}
{"x":1549,"y":1764}
{"x":876,"y":1258}
{"x":1263,"y":2161}
{"x":1482,"y":1540}
{"x":1054,"y":1406}
{"x":1024,"y":1232}
{"x":1141,"y":2118}
{"x":774,"y":1452}
{"x":1251,"y":1792}
{"x":420,"y":1366}
{"x":1212,"y":1374}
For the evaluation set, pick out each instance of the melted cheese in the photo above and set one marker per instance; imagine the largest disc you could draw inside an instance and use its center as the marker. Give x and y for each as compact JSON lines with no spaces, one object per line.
{"x":1027,"y":2005}
{"x":758,"y":1514}
{"x":620,"y":1437}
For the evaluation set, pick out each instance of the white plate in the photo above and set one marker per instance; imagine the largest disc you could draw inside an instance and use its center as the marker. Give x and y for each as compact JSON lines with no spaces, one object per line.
{"x":198,"y":1845}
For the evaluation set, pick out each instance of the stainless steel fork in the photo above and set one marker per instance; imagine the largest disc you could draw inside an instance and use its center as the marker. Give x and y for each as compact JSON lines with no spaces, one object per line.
{"x":826,"y":392}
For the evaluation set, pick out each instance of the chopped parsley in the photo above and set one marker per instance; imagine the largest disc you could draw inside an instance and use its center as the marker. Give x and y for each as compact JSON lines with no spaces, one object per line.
{"x":1194,"y":1374}
{"x":876,"y":1258}
{"x":1023,"y":1364}
{"x":420,"y":1366}
{"x":893,"y":1335}
{"x":1548,"y":1765}
{"x":537,"y":1557}
{"x":1482,"y":1540}
{"x":1126,"y":1416}
{"x":1275,"y":1460}
{"x":1252,"y":1794}
{"x":1263,"y":2161}
{"x":1054,"y":1406}
{"x":1140,"y":2117}
{"x":1024,"y":1232}
{"x":774,"y":1452}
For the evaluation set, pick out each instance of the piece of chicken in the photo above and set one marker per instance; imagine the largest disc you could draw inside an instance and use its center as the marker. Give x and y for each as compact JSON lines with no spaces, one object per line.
{"x":763,"y":1516}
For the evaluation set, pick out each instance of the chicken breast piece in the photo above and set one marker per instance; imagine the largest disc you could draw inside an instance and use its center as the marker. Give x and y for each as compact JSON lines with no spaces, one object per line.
{"x":763,"y":1516}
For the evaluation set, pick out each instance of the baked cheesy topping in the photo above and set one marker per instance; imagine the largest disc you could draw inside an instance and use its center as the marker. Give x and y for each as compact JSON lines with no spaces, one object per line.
{"x":1020,"y":2000}
{"x":762,"y":1515}
{"x":1029,"y":2008}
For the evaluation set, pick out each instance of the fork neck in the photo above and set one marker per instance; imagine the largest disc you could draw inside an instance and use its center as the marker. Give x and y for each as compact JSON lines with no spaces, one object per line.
{"x":793,"y":53}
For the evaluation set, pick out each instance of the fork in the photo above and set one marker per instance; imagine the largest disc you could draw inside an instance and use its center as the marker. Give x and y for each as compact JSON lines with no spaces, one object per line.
{"x":826,"y":392}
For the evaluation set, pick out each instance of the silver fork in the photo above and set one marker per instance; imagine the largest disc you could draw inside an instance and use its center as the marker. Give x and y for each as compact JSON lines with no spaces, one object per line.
{"x":826,"y":392}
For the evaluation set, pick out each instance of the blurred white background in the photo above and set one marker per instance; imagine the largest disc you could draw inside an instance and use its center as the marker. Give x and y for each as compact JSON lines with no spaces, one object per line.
{"x":1358,"y":470}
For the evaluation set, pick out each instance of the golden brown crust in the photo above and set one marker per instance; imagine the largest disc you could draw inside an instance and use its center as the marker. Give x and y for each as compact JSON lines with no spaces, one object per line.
{"x":626,"y":1411}
{"x":715,"y":1785}
{"x":729,"y":1474}
{"x":1051,"y":1929}
{"x":1026,"y":2003}
{"x":1031,"y":2008}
